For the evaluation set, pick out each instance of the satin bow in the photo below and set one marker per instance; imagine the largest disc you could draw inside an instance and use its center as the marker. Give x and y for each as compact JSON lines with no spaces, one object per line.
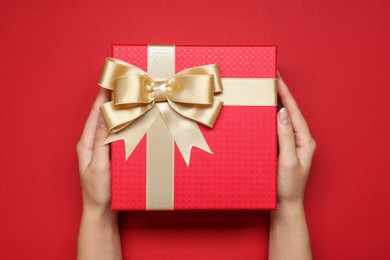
{"x":182,"y":100}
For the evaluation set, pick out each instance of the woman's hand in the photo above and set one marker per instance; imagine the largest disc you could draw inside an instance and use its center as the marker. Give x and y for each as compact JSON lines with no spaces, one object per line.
{"x":94,"y":159}
{"x":99,"y":234}
{"x":289,"y":235}
{"x":296,"y":149}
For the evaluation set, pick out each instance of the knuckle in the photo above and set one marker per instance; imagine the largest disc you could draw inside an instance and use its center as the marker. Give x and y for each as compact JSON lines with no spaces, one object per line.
{"x":288,"y":163}
{"x":312,"y":144}
{"x":309,"y":144}
{"x":80,"y":146}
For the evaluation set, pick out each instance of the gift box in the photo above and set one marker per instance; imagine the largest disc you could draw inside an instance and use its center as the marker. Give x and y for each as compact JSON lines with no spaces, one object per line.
{"x":156,"y":136}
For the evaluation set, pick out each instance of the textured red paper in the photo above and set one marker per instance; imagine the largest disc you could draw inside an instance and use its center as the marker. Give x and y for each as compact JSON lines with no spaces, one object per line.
{"x":241,"y":172}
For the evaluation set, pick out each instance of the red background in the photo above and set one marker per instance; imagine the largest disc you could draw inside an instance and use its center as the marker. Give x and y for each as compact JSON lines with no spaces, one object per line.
{"x":334,"y":55}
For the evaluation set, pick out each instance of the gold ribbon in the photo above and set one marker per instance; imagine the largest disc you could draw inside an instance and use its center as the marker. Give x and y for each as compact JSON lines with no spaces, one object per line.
{"x":181,"y":100}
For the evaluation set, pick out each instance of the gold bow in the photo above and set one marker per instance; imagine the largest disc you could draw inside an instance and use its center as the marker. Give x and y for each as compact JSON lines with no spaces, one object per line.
{"x":182,"y":100}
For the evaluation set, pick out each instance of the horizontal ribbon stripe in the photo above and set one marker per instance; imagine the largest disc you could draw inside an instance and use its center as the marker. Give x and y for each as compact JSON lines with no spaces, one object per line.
{"x":248,"y":92}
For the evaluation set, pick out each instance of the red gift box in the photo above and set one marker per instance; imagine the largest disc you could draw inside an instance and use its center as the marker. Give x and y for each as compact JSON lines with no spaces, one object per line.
{"x":241,"y":171}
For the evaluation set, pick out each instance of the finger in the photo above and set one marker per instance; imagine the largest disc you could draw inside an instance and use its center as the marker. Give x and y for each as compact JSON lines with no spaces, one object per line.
{"x":86,"y":143}
{"x":299,"y":124}
{"x":90,"y":125}
{"x":286,"y":139}
{"x":101,"y":152}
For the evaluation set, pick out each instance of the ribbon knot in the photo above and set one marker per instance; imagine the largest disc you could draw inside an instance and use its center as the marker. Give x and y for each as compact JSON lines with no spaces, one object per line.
{"x":182,"y":100}
{"x":159,"y":90}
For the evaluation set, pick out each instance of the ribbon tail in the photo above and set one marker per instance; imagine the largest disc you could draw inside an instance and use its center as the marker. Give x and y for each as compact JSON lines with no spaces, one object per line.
{"x":133,"y":134}
{"x":197,"y":140}
{"x":184,"y":131}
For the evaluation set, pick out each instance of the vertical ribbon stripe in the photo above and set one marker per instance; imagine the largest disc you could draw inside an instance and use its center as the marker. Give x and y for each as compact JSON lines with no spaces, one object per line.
{"x":160,"y":145}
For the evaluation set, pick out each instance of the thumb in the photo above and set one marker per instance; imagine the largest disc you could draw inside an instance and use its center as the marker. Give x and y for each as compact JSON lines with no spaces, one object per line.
{"x":286,"y":138}
{"x":101,"y":151}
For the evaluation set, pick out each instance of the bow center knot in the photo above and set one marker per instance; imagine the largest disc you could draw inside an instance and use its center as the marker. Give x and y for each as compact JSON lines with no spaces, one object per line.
{"x":159,"y":90}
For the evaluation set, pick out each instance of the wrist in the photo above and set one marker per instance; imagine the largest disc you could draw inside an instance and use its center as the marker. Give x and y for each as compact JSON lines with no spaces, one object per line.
{"x":288,"y":209}
{"x":102,"y":216}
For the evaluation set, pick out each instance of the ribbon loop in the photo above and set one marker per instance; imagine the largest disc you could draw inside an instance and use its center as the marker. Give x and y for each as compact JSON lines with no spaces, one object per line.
{"x":118,"y":119}
{"x":210,"y":69}
{"x":132,"y":90}
{"x":115,"y":68}
{"x":206,"y":115}
{"x":191,"y":89}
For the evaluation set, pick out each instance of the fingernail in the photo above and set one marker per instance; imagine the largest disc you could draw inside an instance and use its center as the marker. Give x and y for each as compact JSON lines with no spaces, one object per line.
{"x":101,"y":122}
{"x":283,"y":116}
{"x":278,"y":73}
